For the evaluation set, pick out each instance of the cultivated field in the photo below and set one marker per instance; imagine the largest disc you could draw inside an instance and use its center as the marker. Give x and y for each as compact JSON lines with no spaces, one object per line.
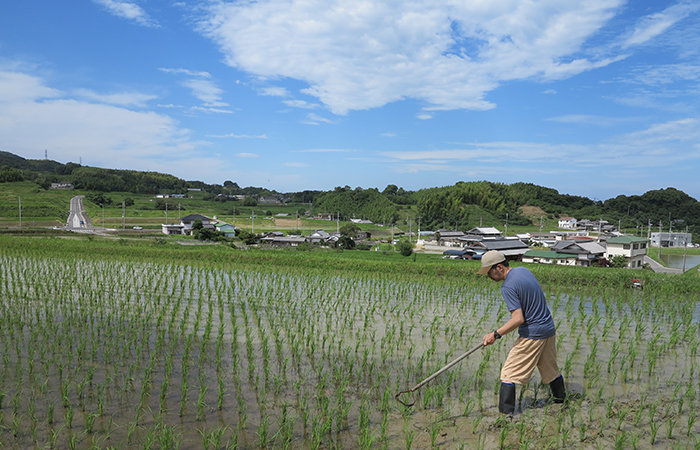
{"x":105,"y":351}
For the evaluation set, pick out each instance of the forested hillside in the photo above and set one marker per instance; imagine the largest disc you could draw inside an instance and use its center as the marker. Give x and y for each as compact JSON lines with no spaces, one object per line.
{"x":462,"y":206}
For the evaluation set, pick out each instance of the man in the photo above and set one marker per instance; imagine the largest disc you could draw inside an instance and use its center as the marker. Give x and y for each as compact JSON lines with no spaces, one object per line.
{"x":536,"y":346}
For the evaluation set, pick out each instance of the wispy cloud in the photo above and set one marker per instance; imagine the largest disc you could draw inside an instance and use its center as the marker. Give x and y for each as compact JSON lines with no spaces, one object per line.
{"x":324,"y":150}
{"x":301,"y":104}
{"x":602,"y":121}
{"x":314,"y":119}
{"x":247,"y":155}
{"x":34,"y":115}
{"x":653,"y":25}
{"x":274,"y":91}
{"x":121,"y":99}
{"x":659,"y":145}
{"x":238,"y":136}
{"x":295,"y":164}
{"x":128,"y":10}
{"x":203,"y":88}
{"x":192,"y":73}
{"x":206,"y":91}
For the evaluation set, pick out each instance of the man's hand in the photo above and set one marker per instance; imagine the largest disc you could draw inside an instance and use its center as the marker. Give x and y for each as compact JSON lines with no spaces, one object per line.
{"x":489,"y":339}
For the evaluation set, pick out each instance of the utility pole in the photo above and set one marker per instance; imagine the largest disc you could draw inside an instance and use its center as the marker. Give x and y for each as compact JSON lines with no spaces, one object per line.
{"x":685,"y":246}
{"x":540,"y":224}
{"x":166,"y":213}
{"x":234,"y":217}
{"x":252,"y":216}
{"x":409,"y":228}
{"x":337,"y":223}
{"x":506,"y":233}
{"x":123,"y":215}
{"x":660,"y":224}
{"x":20,"y":211}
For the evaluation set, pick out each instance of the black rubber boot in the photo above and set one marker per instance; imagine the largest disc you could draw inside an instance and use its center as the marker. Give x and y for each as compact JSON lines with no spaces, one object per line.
{"x":506,"y":398}
{"x":558,"y":390}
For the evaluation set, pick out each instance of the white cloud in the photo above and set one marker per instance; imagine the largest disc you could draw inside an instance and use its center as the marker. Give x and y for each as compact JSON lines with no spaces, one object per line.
{"x":324,"y":150}
{"x":203,"y":88}
{"x":446,"y":54}
{"x":301,"y":104}
{"x":127,"y":10}
{"x":274,"y":91}
{"x":655,"y":24}
{"x":121,"y":99}
{"x":34,"y":116}
{"x":424,"y":116}
{"x":314,"y":119}
{"x":239,"y":136}
{"x":211,"y":110}
{"x":206,"y":91}
{"x":192,"y":73}
{"x":247,"y":155}
{"x":591,"y":120}
{"x":659,"y":145}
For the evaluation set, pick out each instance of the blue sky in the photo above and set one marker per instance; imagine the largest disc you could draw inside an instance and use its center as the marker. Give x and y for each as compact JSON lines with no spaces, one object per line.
{"x":590,"y":97}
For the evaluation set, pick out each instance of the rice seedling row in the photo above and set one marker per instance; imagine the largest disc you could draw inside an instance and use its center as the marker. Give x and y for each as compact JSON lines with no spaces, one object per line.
{"x":112,"y":354}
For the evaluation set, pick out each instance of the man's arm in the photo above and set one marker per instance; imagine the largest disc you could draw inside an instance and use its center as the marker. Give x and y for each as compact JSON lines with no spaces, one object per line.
{"x":516,"y":319}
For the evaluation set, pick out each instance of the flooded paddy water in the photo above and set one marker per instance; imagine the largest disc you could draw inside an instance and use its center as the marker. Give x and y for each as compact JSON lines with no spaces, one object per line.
{"x":116,"y":355}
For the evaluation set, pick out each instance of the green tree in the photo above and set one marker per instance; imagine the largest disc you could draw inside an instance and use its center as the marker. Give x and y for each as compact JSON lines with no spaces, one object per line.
{"x":405,"y":248}
{"x":346,"y":243}
{"x":349,"y":229}
{"x":618,"y":262}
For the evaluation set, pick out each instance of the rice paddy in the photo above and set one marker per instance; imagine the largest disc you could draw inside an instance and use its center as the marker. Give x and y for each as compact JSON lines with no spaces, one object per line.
{"x":100,"y":354}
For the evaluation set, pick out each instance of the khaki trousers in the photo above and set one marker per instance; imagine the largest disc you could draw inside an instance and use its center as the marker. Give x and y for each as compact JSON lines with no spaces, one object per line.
{"x":527,"y":354}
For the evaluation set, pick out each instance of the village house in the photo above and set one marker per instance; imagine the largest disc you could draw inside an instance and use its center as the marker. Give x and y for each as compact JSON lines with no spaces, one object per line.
{"x":586,"y":251}
{"x":324,"y":216}
{"x":667,"y":240}
{"x":186,"y":224}
{"x":567,"y":222}
{"x":61,"y":185}
{"x":228,"y":229}
{"x":550,"y":257}
{"x":633,"y":248}
{"x":512,"y":248}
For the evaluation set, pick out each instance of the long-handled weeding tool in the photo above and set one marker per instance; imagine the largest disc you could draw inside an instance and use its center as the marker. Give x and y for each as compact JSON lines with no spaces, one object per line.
{"x":431,"y":377}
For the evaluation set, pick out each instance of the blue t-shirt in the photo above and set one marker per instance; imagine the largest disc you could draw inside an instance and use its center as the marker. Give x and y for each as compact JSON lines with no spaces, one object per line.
{"x":522,"y":291}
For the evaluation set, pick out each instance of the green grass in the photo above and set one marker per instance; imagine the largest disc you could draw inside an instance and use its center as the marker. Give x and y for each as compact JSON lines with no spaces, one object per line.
{"x":425,"y":268}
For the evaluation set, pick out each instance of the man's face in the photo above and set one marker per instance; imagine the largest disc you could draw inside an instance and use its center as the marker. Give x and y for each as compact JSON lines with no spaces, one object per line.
{"x":496,"y":272}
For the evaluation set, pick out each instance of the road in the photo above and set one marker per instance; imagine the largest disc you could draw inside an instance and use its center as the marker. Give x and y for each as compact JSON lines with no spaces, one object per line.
{"x":78,"y":220}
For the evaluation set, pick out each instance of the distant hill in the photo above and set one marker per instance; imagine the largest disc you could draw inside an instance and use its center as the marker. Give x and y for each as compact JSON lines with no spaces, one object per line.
{"x":462,"y":206}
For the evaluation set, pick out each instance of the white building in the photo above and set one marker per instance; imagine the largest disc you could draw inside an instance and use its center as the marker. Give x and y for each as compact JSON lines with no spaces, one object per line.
{"x":671,"y":239}
{"x":567,"y":222}
{"x":631,"y":247}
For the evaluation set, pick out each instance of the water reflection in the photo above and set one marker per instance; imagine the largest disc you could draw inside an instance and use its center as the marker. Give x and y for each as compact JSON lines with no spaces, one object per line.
{"x":676,"y":261}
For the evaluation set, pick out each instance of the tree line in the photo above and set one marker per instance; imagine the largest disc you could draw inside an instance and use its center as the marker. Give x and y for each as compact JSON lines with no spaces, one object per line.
{"x":462,"y":206}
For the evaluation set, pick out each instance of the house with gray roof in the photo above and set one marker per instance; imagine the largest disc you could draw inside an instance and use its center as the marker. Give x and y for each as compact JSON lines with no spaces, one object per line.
{"x":587,"y":252}
{"x":550,"y":257}
{"x":512,"y":248}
